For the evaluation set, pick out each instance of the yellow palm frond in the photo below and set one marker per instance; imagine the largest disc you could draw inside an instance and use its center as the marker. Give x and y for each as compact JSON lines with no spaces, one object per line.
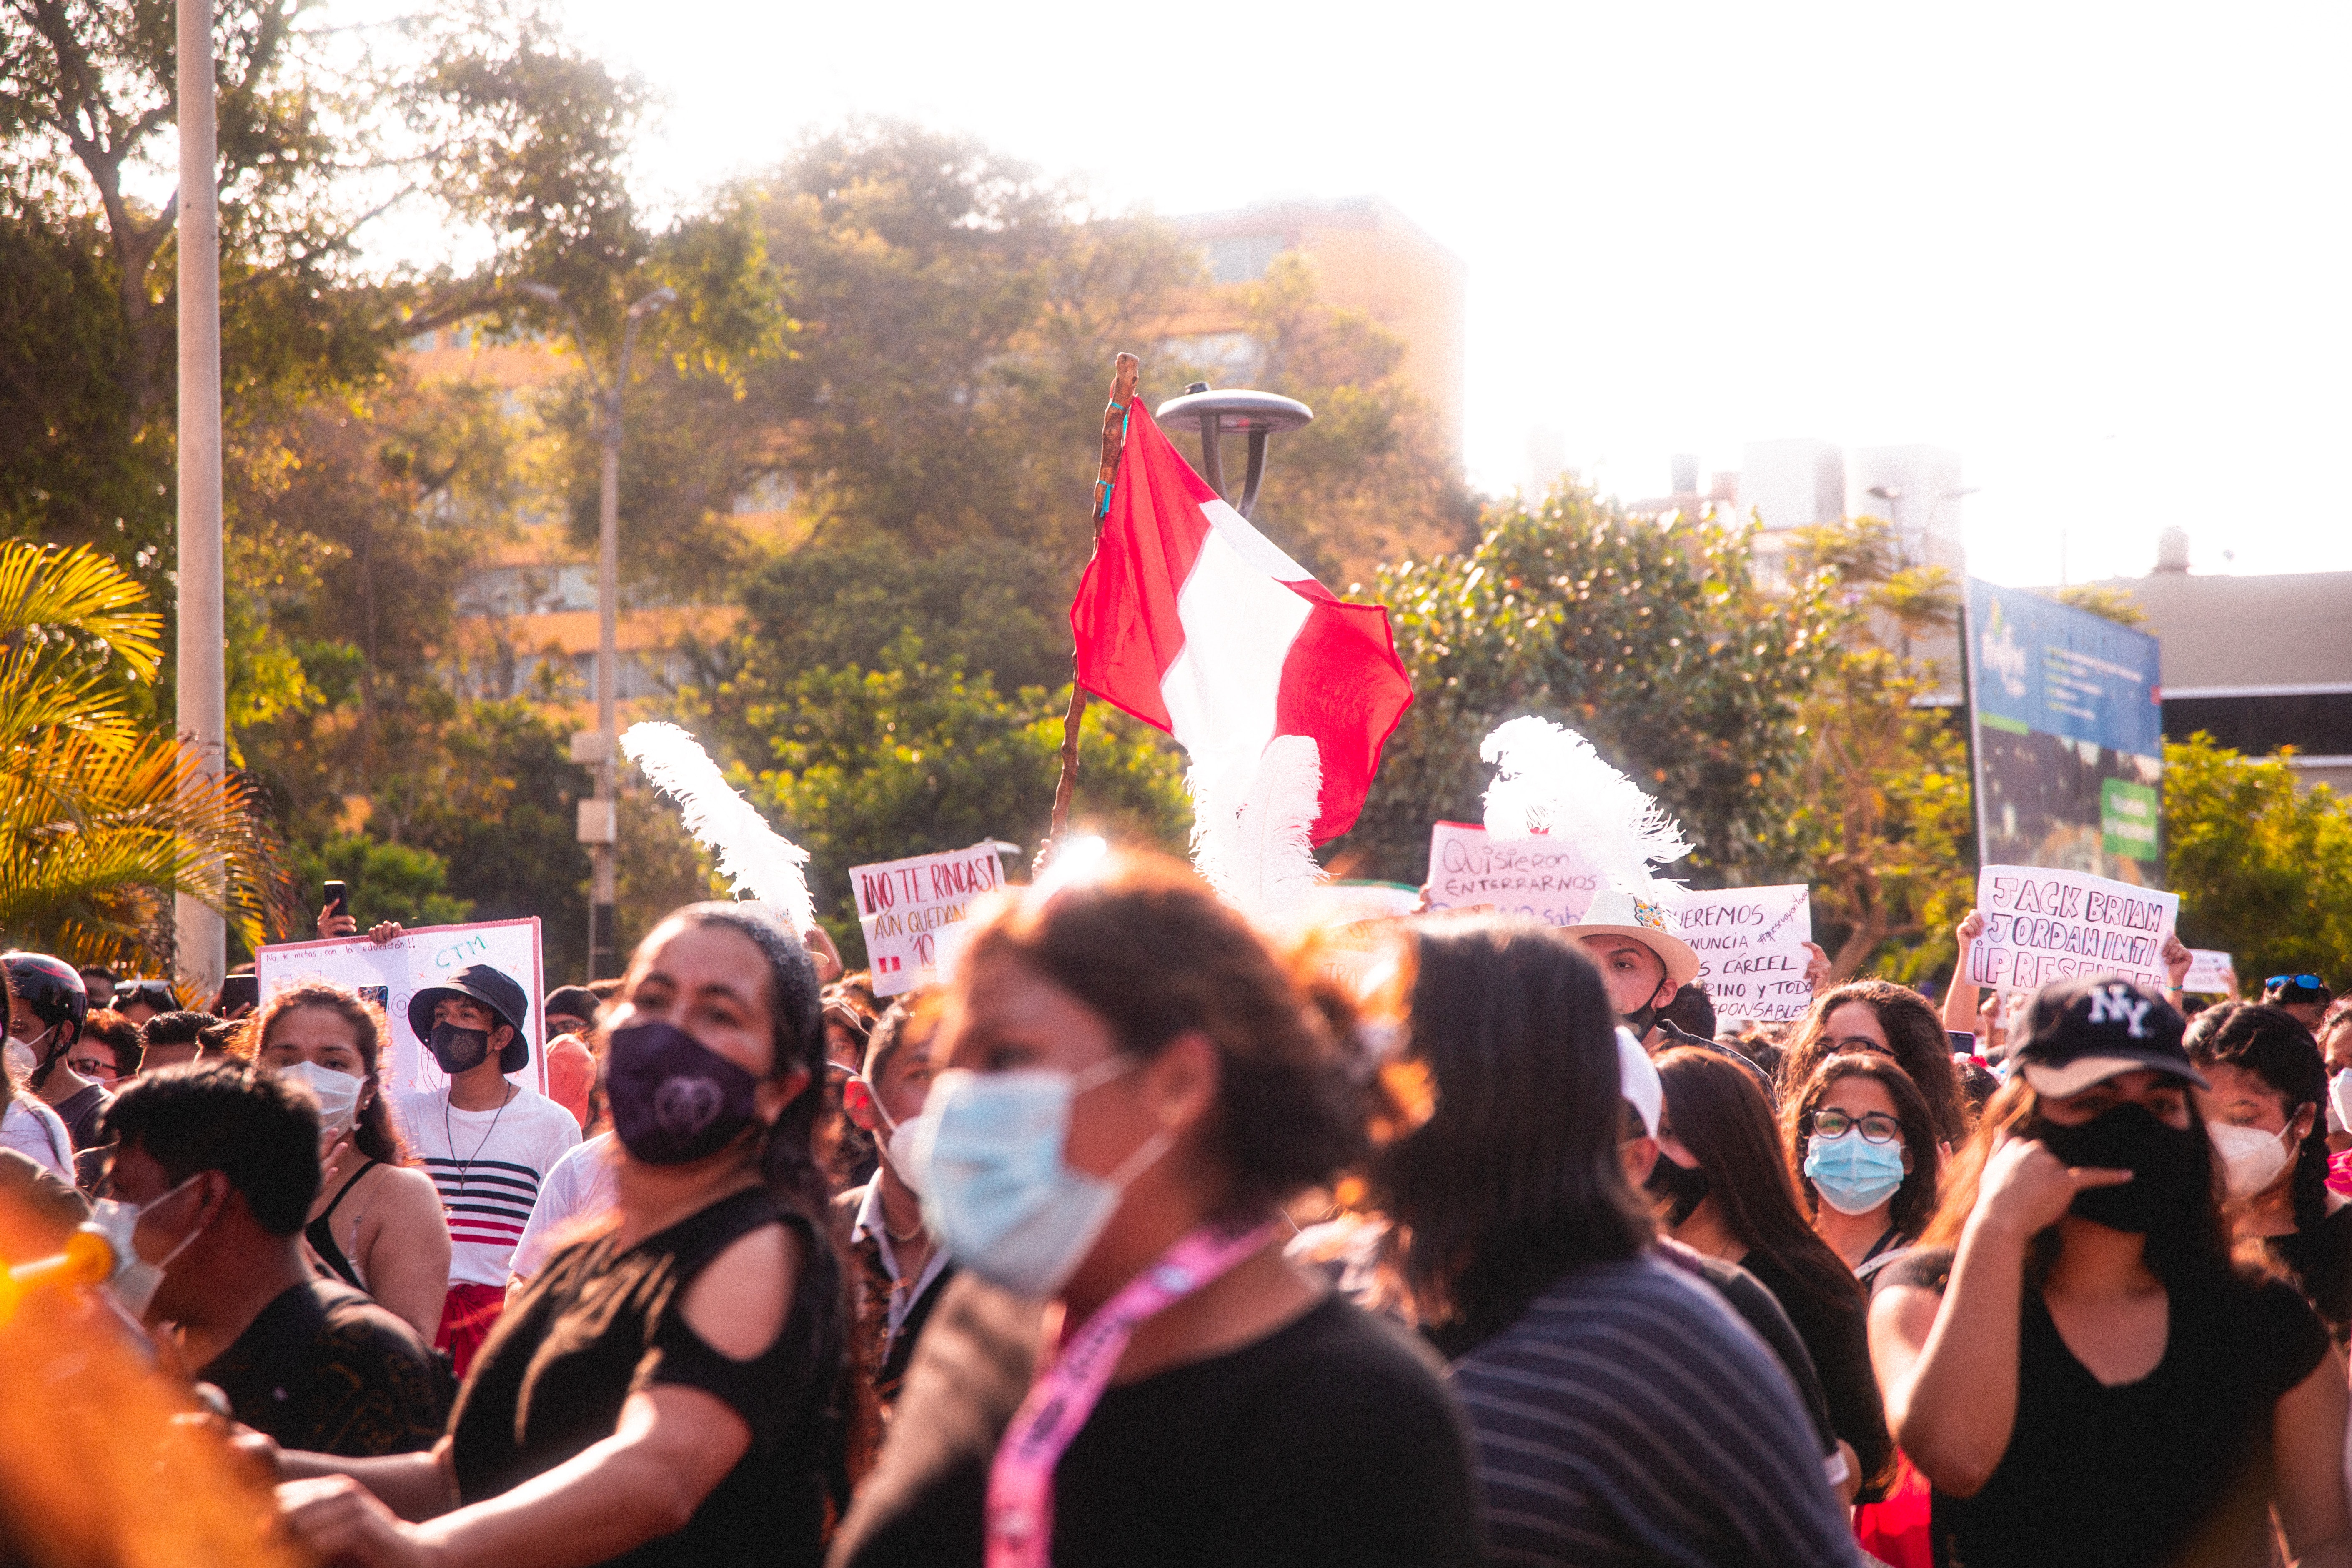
{"x":79,"y":593}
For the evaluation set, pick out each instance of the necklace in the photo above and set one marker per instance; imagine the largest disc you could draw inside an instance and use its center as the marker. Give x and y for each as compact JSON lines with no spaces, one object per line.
{"x":466,"y":1166}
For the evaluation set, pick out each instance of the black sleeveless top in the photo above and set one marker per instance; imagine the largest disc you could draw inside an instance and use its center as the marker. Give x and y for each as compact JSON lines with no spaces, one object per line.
{"x":321,"y":1233}
{"x":2173,"y":1468}
{"x":594,"y":1327}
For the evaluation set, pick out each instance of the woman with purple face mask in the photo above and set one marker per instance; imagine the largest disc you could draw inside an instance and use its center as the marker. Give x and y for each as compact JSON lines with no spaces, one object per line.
{"x":665,"y":1390}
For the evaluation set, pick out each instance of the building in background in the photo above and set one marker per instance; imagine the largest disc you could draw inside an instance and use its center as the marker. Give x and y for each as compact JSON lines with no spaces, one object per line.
{"x":2261,"y":664}
{"x":1368,"y":256}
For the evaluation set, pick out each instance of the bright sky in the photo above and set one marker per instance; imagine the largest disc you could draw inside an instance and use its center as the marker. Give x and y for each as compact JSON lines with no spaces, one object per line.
{"x":2097,"y":249}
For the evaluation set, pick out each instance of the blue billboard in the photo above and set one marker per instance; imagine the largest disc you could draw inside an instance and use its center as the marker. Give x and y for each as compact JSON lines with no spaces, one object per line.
{"x":2067,"y":725}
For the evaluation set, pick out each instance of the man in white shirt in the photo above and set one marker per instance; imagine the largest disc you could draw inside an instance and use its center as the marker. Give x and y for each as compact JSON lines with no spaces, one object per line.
{"x":577,"y":1194}
{"x":486,"y":1140}
{"x":900,"y":1268}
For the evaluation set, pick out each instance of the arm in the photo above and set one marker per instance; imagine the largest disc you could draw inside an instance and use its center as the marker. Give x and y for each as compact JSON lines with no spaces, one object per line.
{"x":1960,"y":997}
{"x":1817,"y":968}
{"x":413,"y":1486}
{"x":2308,"y":1464}
{"x":2176,"y":960}
{"x":407,"y":1262}
{"x":819,"y":942}
{"x":1948,"y":1364}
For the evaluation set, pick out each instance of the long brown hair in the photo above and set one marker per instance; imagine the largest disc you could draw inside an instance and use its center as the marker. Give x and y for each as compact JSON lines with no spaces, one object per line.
{"x":1915,"y":1037}
{"x":1915,"y":1201}
{"x":1720,"y":1115}
{"x":2192,"y":1255}
{"x":1516,"y":1179}
{"x":372,"y":1133}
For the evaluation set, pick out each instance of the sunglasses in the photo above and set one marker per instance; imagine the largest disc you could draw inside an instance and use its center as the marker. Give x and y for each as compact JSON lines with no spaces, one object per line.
{"x":2300,"y":982}
{"x":1877,"y":1127}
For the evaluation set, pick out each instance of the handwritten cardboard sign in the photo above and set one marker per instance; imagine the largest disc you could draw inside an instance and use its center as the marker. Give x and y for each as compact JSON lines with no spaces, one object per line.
{"x":904,"y":909}
{"x":1542,"y":878}
{"x":2042,"y":926}
{"x":2211,"y":973}
{"x":426,"y":956}
{"x":1750,"y":943}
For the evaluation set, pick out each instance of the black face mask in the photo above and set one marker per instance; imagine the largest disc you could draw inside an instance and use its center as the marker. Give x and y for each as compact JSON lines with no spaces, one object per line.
{"x":457,"y":1049}
{"x":1685,"y":1185}
{"x":2171,"y":1172}
{"x":674,"y":1099}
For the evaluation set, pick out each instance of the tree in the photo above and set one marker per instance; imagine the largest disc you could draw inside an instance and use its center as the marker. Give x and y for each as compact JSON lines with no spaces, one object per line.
{"x":1884,"y":796}
{"x":1652,"y":638}
{"x":2120,"y":605}
{"x":2263,"y":868}
{"x":102,"y":823}
{"x":861,"y":765}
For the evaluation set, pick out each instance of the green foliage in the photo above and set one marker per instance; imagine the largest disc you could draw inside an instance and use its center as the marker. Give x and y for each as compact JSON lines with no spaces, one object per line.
{"x":2263,"y":869}
{"x":1885,"y":809}
{"x":862,"y":765}
{"x":2118,"y":604}
{"x":1652,"y":639}
{"x":387,"y":881}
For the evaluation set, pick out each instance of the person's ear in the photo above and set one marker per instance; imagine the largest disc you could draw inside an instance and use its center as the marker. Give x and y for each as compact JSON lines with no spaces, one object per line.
{"x":2303,"y":1120}
{"x":1665,"y":994}
{"x":1182,"y":1080}
{"x":771,"y":1096}
{"x":857,"y":1104}
{"x":1639,"y":1157}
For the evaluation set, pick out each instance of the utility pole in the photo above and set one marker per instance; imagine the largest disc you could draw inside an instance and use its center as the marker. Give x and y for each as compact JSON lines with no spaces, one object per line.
{"x":200,"y":936}
{"x":600,"y":817}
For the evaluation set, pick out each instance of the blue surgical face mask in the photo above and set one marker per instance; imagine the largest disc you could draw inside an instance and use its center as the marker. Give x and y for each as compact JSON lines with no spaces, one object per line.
{"x":1852,"y":1174}
{"x":986,"y":1154}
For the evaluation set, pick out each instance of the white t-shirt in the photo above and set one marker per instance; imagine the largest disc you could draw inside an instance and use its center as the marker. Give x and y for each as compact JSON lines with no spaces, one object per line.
{"x":580,"y":1188}
{"x":34,"y":1131}
{"x":487,"y":1166}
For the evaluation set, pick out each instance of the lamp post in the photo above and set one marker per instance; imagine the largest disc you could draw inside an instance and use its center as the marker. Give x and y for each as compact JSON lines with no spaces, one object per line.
{"x":1236,"y":411}
{"x":599,"y":817}
{"x":200,"y":936}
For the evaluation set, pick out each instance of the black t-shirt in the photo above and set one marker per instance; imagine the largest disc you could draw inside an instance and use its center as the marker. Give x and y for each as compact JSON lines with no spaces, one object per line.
{"x":2320,"y":1260}
{"x":1762,"y":1311}
{"x":325,"y":1370}
{"x":2175,"y":1469}
{"x":1332,"y":1440}
{"x":1836,"y":1332}
{"x":82,"y":1110}
{"x":594,"y":1327}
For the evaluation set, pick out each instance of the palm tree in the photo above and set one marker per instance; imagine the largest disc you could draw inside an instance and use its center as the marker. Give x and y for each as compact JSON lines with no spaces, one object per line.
{"x":101,"y":821}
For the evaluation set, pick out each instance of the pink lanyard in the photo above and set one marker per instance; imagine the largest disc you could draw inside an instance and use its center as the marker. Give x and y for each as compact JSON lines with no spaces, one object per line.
{"x":1020,"y":1482}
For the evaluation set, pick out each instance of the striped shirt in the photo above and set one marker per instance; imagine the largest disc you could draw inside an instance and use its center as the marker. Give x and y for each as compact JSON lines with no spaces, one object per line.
{"x":487,"y":1166}
{"x":1629,"y":1417}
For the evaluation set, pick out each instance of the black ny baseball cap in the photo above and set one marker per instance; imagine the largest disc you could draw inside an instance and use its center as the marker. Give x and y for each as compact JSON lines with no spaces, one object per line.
{"x":2081,"y":1032}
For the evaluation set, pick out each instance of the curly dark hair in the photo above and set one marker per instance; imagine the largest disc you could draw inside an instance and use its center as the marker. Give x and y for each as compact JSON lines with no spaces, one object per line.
{"x":1142,"y":941}
{"x":1915,"y":1037}
{"x":245,"y":1122}
{"x":2272,"y":1044}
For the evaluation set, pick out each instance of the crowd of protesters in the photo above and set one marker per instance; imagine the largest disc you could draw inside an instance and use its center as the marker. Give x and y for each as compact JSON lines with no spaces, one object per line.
{"x":1146,"y":1239}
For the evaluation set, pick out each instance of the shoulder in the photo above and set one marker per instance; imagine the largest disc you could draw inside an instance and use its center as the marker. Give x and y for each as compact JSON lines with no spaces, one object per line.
{"x":542,"y":1115}
{"x":736,"y":1302}
{"x":405,"y":1186}
{"x":2279,"y":1326}
{"x":1928,"y":1268}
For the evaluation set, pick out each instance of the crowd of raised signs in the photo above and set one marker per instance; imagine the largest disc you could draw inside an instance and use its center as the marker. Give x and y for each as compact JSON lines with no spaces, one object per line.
{"x":1143,"y":1238}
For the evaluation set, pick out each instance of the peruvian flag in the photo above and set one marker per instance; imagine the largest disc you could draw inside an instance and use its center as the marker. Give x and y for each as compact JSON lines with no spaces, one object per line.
{"x":1195,"y":622}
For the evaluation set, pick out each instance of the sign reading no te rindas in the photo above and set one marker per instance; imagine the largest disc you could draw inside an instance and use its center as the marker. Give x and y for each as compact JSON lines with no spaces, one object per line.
{"x":908,"y":910}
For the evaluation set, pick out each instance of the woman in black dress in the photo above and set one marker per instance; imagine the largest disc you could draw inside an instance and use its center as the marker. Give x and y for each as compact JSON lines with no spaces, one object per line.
{"x":665,"y":1391}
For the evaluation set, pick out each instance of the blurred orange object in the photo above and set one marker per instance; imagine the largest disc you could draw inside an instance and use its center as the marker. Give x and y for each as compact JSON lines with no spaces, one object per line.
{"x":104,"y":1461}
{"x":571,"y":1073}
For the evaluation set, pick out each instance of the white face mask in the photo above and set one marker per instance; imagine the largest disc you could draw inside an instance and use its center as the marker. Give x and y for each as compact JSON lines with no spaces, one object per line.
{"x":135,"y":1280}
{"x":24,"y":1056}
{"x":337,"y":1092}
{"x":2339,"y":1102}
{"x":2251,"y":1159}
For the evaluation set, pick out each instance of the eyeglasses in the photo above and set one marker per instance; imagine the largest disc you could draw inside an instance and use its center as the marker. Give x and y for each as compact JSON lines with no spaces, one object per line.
{"x":1877,"y":1127}
{"x":91,"y":1067}
{"x":1856,"y":1042}
{"x":2300,"y":982}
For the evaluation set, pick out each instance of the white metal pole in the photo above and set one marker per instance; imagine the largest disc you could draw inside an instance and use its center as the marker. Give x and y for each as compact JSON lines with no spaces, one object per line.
{"x":201,"y":953}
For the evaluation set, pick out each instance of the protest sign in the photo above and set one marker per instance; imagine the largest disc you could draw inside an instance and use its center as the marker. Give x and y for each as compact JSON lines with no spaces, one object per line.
{"x":904,"y":907}
{"x":1541,"y":878}
{"x":2042,"y":925}
{"x":1750,"y":943}
{"x":389,"y":975}
{"x":2211,"y":973}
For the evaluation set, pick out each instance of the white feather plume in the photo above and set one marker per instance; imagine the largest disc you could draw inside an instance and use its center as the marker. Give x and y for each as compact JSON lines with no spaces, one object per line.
{"x":1252,"y":823}
{"x":751,"y":855}
{"x":1549,"y":780}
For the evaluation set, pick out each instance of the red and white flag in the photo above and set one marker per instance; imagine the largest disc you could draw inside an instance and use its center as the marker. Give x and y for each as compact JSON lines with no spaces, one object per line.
{"x":1196,"y":623}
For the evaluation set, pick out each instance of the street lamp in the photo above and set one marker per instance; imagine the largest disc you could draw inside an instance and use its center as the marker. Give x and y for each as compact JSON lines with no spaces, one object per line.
{"x":599,"y":821}
{"x":1235,"y":412}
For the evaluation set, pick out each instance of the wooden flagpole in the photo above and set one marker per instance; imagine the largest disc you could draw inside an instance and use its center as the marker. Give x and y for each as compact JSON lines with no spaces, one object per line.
{"x":1114,"y":437}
